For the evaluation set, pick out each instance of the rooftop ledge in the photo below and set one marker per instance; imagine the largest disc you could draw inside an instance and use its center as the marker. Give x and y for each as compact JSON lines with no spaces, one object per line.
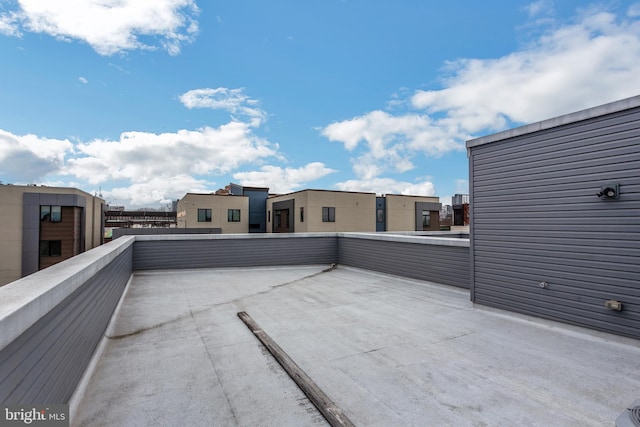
{"x":435,"y":238}
{"x":25,"y":301}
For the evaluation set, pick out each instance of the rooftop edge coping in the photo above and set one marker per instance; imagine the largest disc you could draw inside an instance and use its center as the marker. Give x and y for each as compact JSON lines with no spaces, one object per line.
{"x":589,"y":113}
{"x":27,"y":300}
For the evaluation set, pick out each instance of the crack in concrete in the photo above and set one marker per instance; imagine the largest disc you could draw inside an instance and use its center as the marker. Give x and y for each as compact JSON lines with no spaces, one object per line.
{"x":233,"y":301}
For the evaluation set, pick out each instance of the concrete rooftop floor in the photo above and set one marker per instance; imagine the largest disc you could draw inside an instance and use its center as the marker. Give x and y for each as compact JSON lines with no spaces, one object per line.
{"x":388,"y":351}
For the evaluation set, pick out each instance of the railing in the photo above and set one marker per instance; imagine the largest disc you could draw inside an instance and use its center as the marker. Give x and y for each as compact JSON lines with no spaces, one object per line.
{"x":52,"y":321}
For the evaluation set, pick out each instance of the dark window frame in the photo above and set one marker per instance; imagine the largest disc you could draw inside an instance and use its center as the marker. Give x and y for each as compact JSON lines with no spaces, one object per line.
{"x":328,"y":214}
{"x":231,"y":215}
{"x":51,"y":213}
{"x":204,"y":215}
{"x":50,"y":248}
{"x":426,"y":219}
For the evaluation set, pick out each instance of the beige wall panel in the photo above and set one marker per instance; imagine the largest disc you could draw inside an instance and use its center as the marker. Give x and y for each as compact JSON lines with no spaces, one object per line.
{"x":11,"y":232}
{"x":354,"y":211}
{"x":187,"y":215}
{"x":401,"y":211}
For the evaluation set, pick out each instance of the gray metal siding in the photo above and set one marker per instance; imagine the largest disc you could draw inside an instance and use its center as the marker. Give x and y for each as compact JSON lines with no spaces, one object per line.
{"x":536,"y":218}
{"x":448,"y":265}
{"x":216,"y":253}
{"x":46,"y":362}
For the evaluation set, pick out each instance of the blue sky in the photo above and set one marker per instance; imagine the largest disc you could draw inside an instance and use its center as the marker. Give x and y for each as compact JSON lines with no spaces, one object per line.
{"x":146,"y":101}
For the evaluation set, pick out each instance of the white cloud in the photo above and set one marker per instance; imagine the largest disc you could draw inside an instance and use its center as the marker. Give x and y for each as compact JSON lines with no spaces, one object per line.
{"x":157,"y":190}
{"x":141,"y":156}
{"x":594,"y":60}
{"x":149,"y":168}
{"x":83,"y":80}
{"x":389,"y":186}
{"x":283,"y":180}
{"x":108,"y":26}
{"x":27,"y":159}
{"x":540,"y":7}
{"x":232,"y":100}
{"x":573,"y":67}
{"x":391,"y":141}
{"x":10,"y":24}
{"x":634,"y":10}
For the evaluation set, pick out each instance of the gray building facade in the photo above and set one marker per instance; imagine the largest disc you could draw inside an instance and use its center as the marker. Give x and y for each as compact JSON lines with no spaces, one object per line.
{"x":555,"y":223}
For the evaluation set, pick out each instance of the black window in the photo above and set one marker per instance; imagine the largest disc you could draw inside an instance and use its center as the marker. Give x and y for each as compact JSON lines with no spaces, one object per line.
{"x":426,"y":219}
{"x":302,"y":214}
{"x":51,"y":213}
{"x":204,"y":215}
{"x":50,"y":247}
{"x":328,"y":214}
{"x":233,"y":215}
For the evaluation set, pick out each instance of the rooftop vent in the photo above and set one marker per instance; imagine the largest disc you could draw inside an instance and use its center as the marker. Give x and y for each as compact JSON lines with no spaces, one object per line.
{"x":630,"y":417}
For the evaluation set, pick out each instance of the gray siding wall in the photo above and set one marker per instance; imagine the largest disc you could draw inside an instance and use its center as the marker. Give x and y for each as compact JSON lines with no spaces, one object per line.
{"x":245,"y":252}
{"x":448,"y":265}
{"x":535,"y":217}
{"x":46,"y":362}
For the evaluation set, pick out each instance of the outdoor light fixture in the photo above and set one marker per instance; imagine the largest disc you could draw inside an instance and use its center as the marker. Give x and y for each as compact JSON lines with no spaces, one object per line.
{"x":613,"y":304}
{"x":609,"y":192}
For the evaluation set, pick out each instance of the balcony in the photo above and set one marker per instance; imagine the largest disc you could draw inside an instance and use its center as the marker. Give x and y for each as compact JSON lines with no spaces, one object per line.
{"x":144,"y":330}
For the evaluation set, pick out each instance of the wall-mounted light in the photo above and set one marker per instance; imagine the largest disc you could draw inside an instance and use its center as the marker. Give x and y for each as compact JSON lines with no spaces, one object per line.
{"x":613,"y":304}
{"x":609,"y":192}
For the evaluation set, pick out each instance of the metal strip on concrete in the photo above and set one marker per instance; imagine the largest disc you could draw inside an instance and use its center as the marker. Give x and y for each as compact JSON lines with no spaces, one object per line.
{"x":331,"y":412}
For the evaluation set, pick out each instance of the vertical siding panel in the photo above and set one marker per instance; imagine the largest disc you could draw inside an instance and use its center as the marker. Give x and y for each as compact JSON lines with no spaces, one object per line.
{"x":46,"y":362}
{"x":220,"y":253}
{"x":448,"y":265}
{"x":536,"y":218}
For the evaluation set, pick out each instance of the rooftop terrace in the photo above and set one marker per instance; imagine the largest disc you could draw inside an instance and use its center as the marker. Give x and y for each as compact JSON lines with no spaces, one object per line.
{"x":388,"y":350}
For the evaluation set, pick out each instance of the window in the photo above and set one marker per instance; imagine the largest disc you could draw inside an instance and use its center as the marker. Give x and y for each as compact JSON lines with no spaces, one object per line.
{"x":328,"y":214}
{"x":380,"y":216}
{"x":302,"y":214}
{"x":204,"y":215}
{"x":233,"y":215}
{"x":426,"y":219}
{"x":50,"y":248}
{"x":51,"y":213}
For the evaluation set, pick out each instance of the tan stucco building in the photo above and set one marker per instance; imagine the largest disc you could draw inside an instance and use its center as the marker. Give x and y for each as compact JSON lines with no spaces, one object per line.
{"x":345,"y":211}
{"x":412,"y":213}
{"x":321,"y":211}
{"x":220,"y":213}
{"x":41,"y":226}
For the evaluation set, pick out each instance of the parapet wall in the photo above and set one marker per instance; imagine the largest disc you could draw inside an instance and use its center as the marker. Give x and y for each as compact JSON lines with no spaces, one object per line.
{"x":52,"y":321}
